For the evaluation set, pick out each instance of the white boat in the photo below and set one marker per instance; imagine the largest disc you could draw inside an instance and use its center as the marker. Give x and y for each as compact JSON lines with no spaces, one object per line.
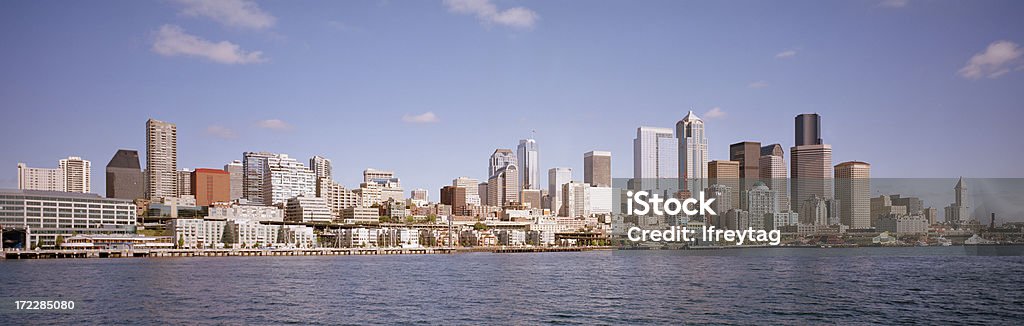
{"x":976,"y":240}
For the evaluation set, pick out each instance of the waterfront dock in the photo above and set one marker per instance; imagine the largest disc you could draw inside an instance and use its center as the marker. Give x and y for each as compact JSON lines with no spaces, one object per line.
{"x":129,"y":253}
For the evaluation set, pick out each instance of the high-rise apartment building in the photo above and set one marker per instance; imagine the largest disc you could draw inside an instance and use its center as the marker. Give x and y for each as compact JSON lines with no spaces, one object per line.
{"x":597,"y":168}
{"x":336,"y":196}
{"x":321,"y":166}
{"x":655,"y":157}
{"x":77,"y":174}
{"x":527,"y":156}
{"x":556,"y":178}
{"x":210,"y":186}
{"x":693,"y":153}
{"x":236,"y":173}
{"x":184,"y":183}
{"x":254,"y":170}
{"x":161,"y":159}
{"x":760,"y":201}
{"x":40,"y":178}
{"x":853,"y":191}
{"x":286,"y":178}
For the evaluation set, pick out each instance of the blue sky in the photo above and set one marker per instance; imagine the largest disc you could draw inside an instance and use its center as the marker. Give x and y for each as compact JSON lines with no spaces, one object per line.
{"x":917,"y":88}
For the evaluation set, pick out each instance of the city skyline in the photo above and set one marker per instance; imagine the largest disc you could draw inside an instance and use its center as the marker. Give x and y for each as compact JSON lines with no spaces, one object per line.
{"x":216,"y":127}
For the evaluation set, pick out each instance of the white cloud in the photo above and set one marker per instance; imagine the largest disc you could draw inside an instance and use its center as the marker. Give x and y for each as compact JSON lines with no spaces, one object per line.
{"x":715,"y":113}
{"x":994,"y":62}
{"x":172,"y":41}
{"x":758,"y":84}
{"x":786,"y":54}
{"x":428,"y":117}
{"x":221,"y":132}
{"x":274,"y":124}
{"x":234,"y":13}
{"x":894,"y":3}
{"x":488,"y":13}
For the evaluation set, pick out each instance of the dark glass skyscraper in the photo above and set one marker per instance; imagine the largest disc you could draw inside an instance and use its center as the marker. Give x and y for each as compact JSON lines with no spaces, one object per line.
{"x":808,"y":129}
{"x":124,"y":176}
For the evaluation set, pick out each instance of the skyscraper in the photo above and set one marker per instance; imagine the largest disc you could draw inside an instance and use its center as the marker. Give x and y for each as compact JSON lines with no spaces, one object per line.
{"x":236,"y":173}
{"x":527,"y":156}
{"x":503,"y":187}
{"x":124,"y":176}
{"x":254,"y":169}
{"x":556,"y":178}
{"x":958,"y":211}
{"x":811,"y":163}
{"x":77,"y":174}
{"x":597,"y":168}
{"x":853,"y":191}
{"x":655,"y":157}
{"x":321,"y":166}
{"x":161,"y":159}
{"x":748,"y":153}
{"x":808,"y":129}
{"x":499,"y":159}
{"x":727,"y":173}
{"x":40,"y":178}
{"x":693,"y":153}
{"x":184,"y":182}
{"x":210,"y":186}
{"x":575,"y":199}
{"x":772,"y":171}
{"x":472,"y":186}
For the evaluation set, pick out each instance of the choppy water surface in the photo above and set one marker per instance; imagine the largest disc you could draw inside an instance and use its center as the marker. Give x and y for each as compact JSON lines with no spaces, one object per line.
{"x":791,"y":286}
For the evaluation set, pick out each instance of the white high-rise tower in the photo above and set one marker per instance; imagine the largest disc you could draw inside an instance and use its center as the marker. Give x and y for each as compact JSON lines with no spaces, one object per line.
{"x":693,"y":153}
{"x":527,"y":155}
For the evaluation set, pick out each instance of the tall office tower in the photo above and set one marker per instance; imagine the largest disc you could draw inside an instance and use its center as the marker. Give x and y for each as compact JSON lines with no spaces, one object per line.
{"x":761,"y":200}
{"x":472,"y":186}
{"x":808,"y":129}
{"x":254,"y":170}
{"x":693,"y":153}
{"x":500,"y":159}
{"x":556,"y":178}
{"x":529,"y":164}
{"x":286,"y":178}
{"x":655,"y":157}
{"x":772,"y":167}
{"x":210,"y":186}
{"x":236,"y":173}
{"x":77,"y":174}
{"x":161,"y":159}
{"x":748,"y":153}
{"x":374,"y":175}
{"x":853,"y":191}
{"x":184,"y":183}
{"x":455,"y":196}
{"x":503,"y":187}
{"x":958,"y":211}
{"x":810,"y":162}
{"x":321,"y":166}
{"x":419,"y":194}
{"x":40,"y":178}
{"x":124,"y":176}
{"x":530,"y":197}
{"x":485,"y":196}
{"x":576,"y":201}
{"x":727,"y":173}
{"x":597,"y":168}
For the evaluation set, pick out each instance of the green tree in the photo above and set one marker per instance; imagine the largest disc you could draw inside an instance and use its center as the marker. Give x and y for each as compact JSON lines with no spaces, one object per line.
{"x":181,"y":242}
{"x":60,"y":241}
{"x":479,"y":226}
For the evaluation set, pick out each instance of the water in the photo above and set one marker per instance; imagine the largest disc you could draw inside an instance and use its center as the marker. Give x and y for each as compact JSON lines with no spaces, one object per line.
{"x":933,"y":285}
